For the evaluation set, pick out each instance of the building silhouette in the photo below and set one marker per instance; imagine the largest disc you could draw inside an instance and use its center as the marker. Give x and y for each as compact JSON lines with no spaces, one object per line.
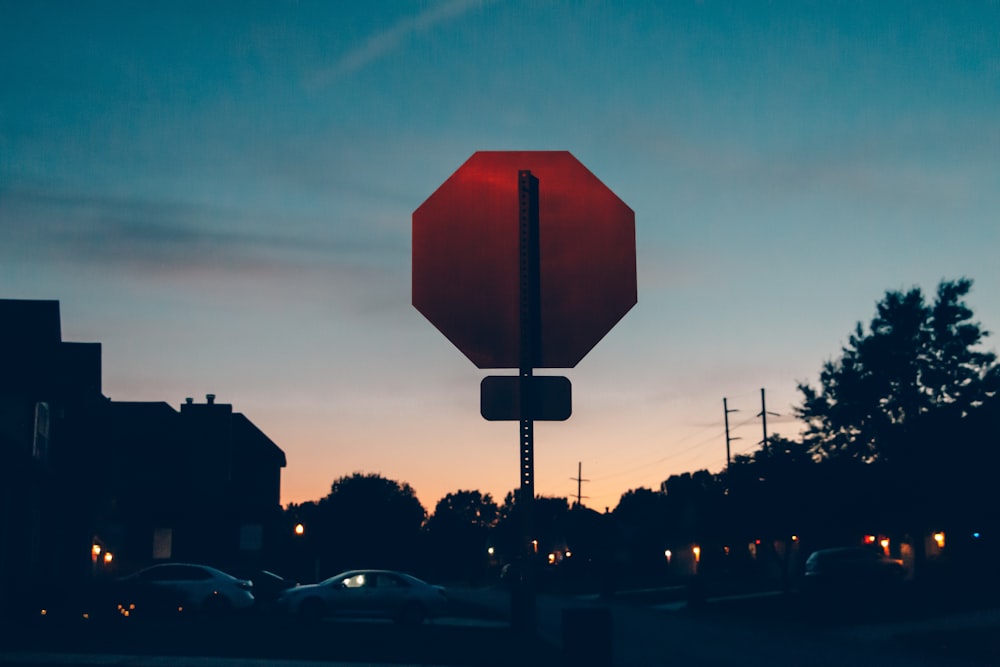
{"x":91,"y":487}
{"x":200,"y":484}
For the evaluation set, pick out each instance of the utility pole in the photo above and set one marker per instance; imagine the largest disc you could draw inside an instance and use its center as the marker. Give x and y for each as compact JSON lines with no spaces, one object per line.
{"x":579,"y":481}
{"x":726,"y":411}
{"x":763,"y":415}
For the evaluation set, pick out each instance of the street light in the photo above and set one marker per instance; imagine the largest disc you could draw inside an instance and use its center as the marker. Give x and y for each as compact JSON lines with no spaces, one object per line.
{"x":300,"y":529}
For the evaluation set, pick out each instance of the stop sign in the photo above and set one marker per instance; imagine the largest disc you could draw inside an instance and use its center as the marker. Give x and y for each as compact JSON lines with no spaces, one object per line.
{"x":466,"y":251}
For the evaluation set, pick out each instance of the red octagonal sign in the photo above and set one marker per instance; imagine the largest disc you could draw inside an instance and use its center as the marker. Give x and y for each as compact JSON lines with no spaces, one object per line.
{"x":466,"y":253}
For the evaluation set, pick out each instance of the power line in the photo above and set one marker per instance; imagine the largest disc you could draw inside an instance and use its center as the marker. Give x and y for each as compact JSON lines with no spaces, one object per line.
{"x":726,"y":432}
{"x":673,"y":455}
{"x":700,"y":443}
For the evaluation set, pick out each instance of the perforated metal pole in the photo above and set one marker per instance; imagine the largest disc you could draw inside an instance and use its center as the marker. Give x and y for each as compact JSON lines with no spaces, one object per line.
{"x":530,"y":330}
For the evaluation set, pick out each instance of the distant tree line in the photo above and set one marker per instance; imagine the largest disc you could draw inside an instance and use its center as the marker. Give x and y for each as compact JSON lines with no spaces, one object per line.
{"x":900,"y":437}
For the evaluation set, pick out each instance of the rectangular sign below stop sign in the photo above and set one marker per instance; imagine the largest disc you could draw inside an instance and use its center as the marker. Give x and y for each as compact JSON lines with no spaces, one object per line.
{"x":535,"y":397}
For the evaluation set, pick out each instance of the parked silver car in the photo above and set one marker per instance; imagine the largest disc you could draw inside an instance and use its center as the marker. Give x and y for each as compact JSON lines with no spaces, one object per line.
{"x":179,"y":588}
{"x":366,"y":594}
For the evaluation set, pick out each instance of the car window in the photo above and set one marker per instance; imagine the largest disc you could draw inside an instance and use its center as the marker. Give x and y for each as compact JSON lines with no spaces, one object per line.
{"x":357,"y":581}
{"x":389,"y":581}
{"x":188,"y":573}
{"x":176,"y":573}
{"x":156,"y":574}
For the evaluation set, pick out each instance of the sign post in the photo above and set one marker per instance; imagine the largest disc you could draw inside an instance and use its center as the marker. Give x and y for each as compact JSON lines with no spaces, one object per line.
{"x":538,"y":294}
{"x":523,"y":614}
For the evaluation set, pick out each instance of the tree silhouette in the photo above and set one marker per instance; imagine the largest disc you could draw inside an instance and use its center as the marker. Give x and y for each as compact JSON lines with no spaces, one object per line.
{"x":458,"y":534}
{"x":549,"y":522}
{"x":366,"y":521}
{"x":907,"y":397}
{"x":915,"y":360}
{"x":645,"y":522}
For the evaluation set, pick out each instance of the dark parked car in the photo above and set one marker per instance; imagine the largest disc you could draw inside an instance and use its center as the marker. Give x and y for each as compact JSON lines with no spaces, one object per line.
{"x":851,"y":569}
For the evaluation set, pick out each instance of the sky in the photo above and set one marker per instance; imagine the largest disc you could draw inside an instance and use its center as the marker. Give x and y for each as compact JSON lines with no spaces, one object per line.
{"x":221,"y":194}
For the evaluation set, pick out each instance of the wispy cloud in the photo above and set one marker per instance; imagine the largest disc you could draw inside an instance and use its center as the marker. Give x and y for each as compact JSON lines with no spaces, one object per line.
{"x":166,"y":237}
{"x":383,"y":43}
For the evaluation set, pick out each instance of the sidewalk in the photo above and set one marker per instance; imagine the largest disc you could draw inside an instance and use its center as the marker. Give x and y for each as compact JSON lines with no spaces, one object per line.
{"x":41,"y":659}
{"x":646,"y":632}
{"x":445,"y":642}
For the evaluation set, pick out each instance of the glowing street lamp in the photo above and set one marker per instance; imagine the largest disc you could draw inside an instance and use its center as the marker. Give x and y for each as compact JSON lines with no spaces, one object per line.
{"x":300,"y":529}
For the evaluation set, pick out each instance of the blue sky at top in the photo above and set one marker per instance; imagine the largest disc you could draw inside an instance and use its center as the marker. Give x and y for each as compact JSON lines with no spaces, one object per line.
{"x":221,"y":194}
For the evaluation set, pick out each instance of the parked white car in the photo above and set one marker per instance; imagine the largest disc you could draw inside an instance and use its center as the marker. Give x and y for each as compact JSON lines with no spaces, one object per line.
{"x":366,"y":594}
{"x":181,"y":587}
